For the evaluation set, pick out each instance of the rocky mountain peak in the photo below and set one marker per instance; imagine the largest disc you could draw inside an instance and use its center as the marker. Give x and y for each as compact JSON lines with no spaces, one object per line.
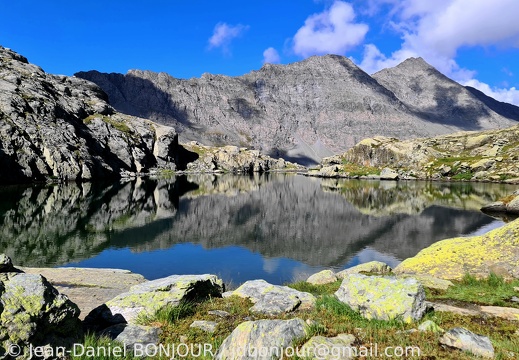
{"x":304,"y":110}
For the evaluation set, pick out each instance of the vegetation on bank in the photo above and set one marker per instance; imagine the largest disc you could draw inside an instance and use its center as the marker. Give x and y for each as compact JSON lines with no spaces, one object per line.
{"x":331,"y":317}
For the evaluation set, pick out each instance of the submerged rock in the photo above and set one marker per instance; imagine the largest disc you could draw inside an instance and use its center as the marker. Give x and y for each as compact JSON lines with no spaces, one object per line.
{"x":495,"y":251}
{"x":261,"y":340}
{"x":383,"y":298}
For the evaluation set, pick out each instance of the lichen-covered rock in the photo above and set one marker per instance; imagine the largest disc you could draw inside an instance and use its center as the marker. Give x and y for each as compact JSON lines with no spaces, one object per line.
{"x":324,"y":348}
{"x":430,"y":282}
{"x":148,"y":297}
{"x":261,"y":340}
{"x":466,"y":340}
{"x":374,"y":267}
{"x":383,"y":298}
{"x":274,"y":299}
{"x":32,"y":312}
{"x":322,"y":277}
{"x":496,"y":251}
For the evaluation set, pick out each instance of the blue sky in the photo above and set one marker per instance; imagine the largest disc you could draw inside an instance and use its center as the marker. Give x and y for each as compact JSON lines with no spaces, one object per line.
{"x":475,"y":42}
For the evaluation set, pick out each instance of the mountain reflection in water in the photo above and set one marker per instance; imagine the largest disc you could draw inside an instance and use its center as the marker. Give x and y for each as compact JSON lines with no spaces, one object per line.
{"x":277,"y":227}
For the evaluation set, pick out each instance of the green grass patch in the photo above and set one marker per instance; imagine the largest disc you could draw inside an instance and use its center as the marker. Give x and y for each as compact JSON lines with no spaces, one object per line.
{"x":117,"y":124}
{"x":463,"y":176}
{"x":359,"y":170}
{"x":494,"y":291}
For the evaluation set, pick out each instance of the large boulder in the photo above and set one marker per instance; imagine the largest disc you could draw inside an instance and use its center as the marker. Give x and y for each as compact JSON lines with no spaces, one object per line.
{"x":496,"y":251}
{"x":148,"y":297}
{"x":274,"y":299}
{"x":261,"y":340}
{"x":34,"y":313}
{"x":383,"y":298}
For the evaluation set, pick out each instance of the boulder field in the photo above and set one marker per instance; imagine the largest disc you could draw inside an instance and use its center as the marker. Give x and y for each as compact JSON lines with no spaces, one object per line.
{"x":34,"y":313}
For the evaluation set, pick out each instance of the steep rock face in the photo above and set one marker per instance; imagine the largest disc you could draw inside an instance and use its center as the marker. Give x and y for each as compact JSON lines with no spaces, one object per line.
{"x":301,"y":111}
{"x":58,"y":127}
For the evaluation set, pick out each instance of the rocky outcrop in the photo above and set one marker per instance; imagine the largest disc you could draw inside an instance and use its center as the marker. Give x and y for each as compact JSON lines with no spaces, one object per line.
{"x":480,"y":156}
{"x":383,"y":298}
{"x":61,"y":128}
{"x":234,"y":160}
{"x":495,"y":251}
{"x":301,"y":111}
{"x":33,"y":313}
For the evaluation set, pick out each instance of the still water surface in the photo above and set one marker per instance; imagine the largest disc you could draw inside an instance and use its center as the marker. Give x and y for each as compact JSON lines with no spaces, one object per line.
{"x":276,"y":227}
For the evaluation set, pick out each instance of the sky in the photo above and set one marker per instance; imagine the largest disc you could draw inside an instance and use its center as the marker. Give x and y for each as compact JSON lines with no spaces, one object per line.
{"x":475,"y":42}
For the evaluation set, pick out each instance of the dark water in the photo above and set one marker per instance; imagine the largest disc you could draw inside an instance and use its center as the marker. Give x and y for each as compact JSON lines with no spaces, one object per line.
{"x":276,"y":227}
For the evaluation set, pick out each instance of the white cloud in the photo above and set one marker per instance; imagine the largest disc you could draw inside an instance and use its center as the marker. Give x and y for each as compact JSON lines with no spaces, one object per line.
{"x":223,"y":34}
{"x":271,"y":56}
{"x":435,"y":30}
{"x":332,"y":31}
{"x":507,"y":95}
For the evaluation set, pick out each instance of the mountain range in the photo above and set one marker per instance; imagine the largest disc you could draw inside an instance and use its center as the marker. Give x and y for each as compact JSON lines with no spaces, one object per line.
{"x":306,"y":110}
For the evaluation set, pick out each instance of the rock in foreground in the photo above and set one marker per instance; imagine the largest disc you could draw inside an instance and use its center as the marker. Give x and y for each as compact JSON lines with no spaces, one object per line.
{"x":274,"y":299}
{"x":151,"y":296}
{"x":383,"y":298}
{"x":466,"y":340}
{"x":32,"y":312}
{"x":261,"y":340}
{"x":497,"y":251}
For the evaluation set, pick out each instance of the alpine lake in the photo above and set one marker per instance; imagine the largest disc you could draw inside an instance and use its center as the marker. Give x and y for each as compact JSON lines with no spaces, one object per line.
{"x":276,"y":227}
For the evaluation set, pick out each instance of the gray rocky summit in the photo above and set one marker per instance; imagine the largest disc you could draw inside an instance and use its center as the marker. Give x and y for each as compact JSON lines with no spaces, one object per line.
{"x":305,"y":110}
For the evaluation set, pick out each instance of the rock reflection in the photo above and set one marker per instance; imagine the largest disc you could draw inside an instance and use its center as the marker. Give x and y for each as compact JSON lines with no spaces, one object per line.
{"x":277,"y":215}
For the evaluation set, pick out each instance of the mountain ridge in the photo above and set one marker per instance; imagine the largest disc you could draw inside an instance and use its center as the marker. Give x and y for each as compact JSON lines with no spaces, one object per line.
{"x":306,"y":110}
